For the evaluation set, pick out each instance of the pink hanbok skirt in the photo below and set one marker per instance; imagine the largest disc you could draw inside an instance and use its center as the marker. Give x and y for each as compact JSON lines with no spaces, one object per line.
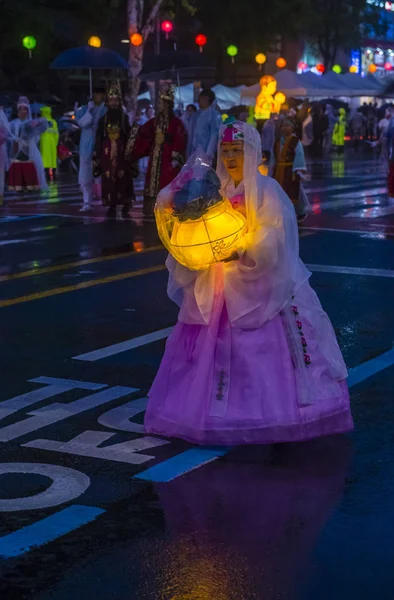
{"x":282,"y":382}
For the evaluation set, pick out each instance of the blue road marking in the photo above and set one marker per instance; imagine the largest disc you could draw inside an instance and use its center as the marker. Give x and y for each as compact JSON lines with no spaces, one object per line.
{"x":181,"y":464}
{"x":48,"y":529}
{"x":8,"y":219}
{"x":370,"y":368}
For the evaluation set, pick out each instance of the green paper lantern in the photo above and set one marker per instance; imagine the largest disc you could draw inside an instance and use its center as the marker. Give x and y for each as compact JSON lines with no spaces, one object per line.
{"x":29,"y":42}
{"x":232,"y":50}
{"x":337,"y":69}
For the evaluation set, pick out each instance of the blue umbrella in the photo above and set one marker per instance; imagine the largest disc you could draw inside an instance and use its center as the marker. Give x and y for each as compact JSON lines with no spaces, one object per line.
{"x":87,"y":57}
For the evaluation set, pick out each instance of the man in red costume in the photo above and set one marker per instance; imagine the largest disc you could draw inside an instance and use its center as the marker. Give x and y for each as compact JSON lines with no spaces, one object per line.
{"x":164,"y":140}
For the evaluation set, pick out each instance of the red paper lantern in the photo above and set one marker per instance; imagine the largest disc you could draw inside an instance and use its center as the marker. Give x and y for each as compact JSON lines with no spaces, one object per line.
{"x":388,"y":66}
{"x":167,"y":27}
{"x":321,"y":68}
{"x":302,"y":66}
{"x":201,"y":40}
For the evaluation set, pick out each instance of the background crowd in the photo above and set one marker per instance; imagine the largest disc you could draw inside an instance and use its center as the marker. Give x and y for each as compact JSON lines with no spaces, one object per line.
{"x":110,"y":148}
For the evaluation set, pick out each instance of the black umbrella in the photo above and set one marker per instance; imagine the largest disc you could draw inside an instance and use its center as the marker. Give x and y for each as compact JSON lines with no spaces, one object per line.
{"x":88,"y":57}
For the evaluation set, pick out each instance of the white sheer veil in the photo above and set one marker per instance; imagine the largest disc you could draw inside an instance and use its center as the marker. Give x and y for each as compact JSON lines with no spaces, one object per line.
{"x":252,"y":161}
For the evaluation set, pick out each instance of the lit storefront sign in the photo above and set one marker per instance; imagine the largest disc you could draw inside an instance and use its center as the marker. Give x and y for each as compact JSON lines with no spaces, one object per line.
{"x":386,"y":5}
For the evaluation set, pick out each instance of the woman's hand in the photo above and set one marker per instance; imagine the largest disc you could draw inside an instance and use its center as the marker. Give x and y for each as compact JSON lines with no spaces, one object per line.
{"x":233,"y":256}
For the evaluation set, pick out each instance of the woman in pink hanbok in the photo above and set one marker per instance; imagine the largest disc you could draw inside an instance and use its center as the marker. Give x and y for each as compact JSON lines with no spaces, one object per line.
{"x":253,"y":358}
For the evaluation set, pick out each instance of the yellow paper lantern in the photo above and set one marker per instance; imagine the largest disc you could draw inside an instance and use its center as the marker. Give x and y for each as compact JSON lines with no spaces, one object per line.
{"x":94,"y":41}
{"x":353,"y":69}
{"x":199,"y":243}
{"x":261,"y":58}
{"x":280,"y":98}
{"x":281,"y":62}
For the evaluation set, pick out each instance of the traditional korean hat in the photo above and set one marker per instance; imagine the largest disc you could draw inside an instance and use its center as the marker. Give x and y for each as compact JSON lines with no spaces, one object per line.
{"x":115,"y":90}
{"x":232,"y":131}
{"x":168,"y":93}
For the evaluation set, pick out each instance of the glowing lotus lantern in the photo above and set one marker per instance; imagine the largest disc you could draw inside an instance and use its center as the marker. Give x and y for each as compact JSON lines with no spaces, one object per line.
{"x":200,"y":228}
{"x":268,"y":101}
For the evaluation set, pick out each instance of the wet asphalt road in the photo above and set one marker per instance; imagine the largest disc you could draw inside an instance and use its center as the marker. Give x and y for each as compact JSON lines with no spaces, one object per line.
{"x":82,"y":513}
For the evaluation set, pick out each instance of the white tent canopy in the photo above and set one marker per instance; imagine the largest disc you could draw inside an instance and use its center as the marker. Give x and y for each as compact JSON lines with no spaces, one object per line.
{"x":226,"y":97}
{"x":292,"y":85}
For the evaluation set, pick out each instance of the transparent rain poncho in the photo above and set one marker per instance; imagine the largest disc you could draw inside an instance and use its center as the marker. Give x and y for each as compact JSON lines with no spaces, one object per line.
{"x":195,"y":223}
{"x":268,"y":271}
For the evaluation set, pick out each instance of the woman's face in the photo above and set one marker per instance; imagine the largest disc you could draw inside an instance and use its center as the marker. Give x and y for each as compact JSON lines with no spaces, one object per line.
{"x":233,"y":159}
{"x":23,"y":113}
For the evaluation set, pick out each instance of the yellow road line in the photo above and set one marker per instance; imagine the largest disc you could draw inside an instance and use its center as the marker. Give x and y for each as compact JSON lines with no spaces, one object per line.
{"x":80,"y":286}
{"x":78,"y":263}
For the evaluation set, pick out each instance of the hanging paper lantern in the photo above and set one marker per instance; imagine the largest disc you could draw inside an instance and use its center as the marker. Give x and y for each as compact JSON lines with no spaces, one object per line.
{"x":388,"y":66}
{"x":320,"y":68}
{"x":372,"y":68}
{"x":260,"y":59}
{"x":280,"y":98}
{"x":167,"y":27}
{"x":94,"y":41}
{"x":337,"y":69}
{"x":136,"y":39}
{"x":198,"y":243}
{"x":232,"y":50}
{"x":353,"y":69}
{"x":281,"y":62}
{"x":302,"y":66}
{"x":201,"y":40}
{"x":29,"y":42}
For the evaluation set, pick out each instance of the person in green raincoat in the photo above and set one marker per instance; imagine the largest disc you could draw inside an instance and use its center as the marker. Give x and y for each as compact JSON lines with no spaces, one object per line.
{"x":338,"y":136}
{"x":48,"y":143}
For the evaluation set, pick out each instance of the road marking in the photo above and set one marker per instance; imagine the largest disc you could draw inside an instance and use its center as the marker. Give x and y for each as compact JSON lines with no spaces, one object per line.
{"x":78,"y":263}
{"x":80,"y":286}
{"x":46,"y":530}
{"x":143,"y":340}
{"x":370,"y":368}
{"x":88,"y":442}
{"x":181,"y":464}
{"x":67,"y":484}
{"x":59,"y":411}
{"x":351,"y":271}
{"x":357,"y":231}
{"x":53,"y":388}
{"x":372,"y":212}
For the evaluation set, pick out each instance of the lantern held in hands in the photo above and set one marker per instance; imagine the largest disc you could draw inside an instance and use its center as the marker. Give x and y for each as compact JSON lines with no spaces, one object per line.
{"x":199,"y":227}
